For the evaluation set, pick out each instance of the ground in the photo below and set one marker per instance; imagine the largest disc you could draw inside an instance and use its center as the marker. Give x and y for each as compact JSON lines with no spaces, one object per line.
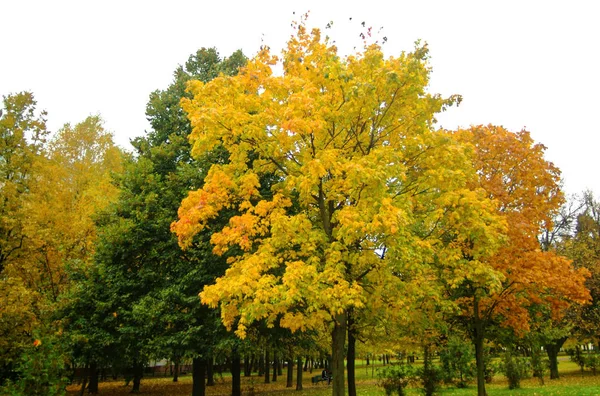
{"x":571,"y":383}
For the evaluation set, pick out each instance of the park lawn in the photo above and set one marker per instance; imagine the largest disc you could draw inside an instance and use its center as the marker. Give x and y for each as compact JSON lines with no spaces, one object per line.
{"x":571,"y":383}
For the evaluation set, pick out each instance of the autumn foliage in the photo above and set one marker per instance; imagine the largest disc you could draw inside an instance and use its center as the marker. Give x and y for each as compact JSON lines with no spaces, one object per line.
{"x":340,"y":187}
{"x":325,"y":204}
{"x":512,"y":170}
{"x":341,"y":192}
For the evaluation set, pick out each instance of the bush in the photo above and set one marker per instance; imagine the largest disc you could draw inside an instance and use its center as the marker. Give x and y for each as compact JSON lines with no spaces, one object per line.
{"x":395,"y":379}
{"x":457,"y":362}
{"x":539,"y":363}
{"x":431,"y":377}
{"x":592,"y":362}
{"x":489,"y":368}
{"x":577,"y":357}
{"x":40,"y":371}
{"x":515,"y":368}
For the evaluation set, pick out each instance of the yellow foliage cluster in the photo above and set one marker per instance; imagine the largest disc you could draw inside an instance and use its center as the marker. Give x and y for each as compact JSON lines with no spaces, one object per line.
{"x":368,"y":206}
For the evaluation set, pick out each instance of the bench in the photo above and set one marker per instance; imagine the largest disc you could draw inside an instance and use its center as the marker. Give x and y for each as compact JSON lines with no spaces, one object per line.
{"x":318,"y":378}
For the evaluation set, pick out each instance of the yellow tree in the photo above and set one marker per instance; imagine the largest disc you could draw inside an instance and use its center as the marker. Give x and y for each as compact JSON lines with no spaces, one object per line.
{"x":22,"y":137}
{"x":335,"y":175}
{"x":512,"y":170}
{"x":73,"y":184}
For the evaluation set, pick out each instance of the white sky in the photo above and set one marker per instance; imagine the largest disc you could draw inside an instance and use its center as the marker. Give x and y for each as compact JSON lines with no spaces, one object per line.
{"x":532,"y":64}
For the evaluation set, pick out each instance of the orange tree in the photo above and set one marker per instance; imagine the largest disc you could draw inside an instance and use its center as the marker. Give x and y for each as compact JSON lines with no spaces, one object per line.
{"x":357,"y":171}
{"x":512,"y":170}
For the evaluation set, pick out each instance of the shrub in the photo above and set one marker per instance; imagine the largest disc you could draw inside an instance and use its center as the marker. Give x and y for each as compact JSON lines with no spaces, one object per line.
{"x":431,"y":377}
{"x":539,"y":363}
{"x":515,"y":368}
{"x":40,"y":371}
{"x":577,"y":356}
{"x":395,"y":379}
{"x":592,"y":362}
{"x":457,"y":362}
{"x":489,"y":368}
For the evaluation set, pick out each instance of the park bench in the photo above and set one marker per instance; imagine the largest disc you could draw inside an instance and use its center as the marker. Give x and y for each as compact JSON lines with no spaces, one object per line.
{"x":318,"y":378}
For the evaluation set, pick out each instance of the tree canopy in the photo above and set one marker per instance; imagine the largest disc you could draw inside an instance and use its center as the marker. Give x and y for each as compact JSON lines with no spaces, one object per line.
{"x":360,"y":180}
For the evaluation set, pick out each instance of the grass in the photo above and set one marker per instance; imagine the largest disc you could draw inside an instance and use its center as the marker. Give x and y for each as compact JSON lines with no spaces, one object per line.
{"x":571,"y":383}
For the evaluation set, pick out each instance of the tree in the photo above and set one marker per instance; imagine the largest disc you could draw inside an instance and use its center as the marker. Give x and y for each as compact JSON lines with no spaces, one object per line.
{"x":22,"y":137}
{"x":154,"y":283}
{"x":73,"y":183}
{"x":583,"y":247}
{"x":513,"y":172}
{"x":50,"y":191}
{"x":550,"y":331}
{"x":349,"y":147}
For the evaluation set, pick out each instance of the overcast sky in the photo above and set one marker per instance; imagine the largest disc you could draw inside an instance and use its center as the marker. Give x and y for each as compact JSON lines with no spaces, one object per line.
{"x":521,"y":64}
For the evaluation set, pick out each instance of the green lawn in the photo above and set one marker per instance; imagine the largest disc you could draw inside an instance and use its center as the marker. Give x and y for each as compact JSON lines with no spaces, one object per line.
{"x":572,"y":382}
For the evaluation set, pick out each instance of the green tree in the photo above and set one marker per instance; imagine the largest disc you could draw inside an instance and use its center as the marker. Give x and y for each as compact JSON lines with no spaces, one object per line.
{"x":154,"y":283}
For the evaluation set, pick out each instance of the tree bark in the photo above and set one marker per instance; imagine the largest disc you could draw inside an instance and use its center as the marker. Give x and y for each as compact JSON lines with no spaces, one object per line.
{"x":198,"y":376}
{"x":299,"y":373}
{"x":138,"y":372}
{"x":427,"y":363}
{"x":351,"y":356}
{"x":236,"y":380}
{"x":84,"y":380}
{"x":274,"y":379}
{"x":261,"y":365}
{"x":552,"y":350}
{"x":93,"y":385}
{"x":210,"y":372}
{"x":247,"y":366}
{"x":478,"y":337}
{"x":290,"y":372}
{"x":267,"y":364}
{"x":338,"y":341}
{"x":176,"y":369}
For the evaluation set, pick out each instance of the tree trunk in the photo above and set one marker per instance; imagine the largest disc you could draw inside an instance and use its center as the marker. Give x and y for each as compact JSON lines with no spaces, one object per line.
{"x":247,"y":366}
{"x":236,"y":380}
{"x":279,"y":369}
{"x":368,"y":360}
{"x":176,"y":369}
{"x":338,"y":341}
{"x":93,"y":386}
{"x":198,"y":376}
{"x":84,"y":380}
{"x":299,"y":373}
{"x":290,"y":372}
{"x":274,"y":379}
{"x":478,"y":337}
{"x":552,"y":350}
{"x":351,"y":356}
{"x":429,"y":382}
{"x":210,"y":372}
{"x":138,"y":372}
{"x":267,"y":364}
{"x":261,"y":365}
